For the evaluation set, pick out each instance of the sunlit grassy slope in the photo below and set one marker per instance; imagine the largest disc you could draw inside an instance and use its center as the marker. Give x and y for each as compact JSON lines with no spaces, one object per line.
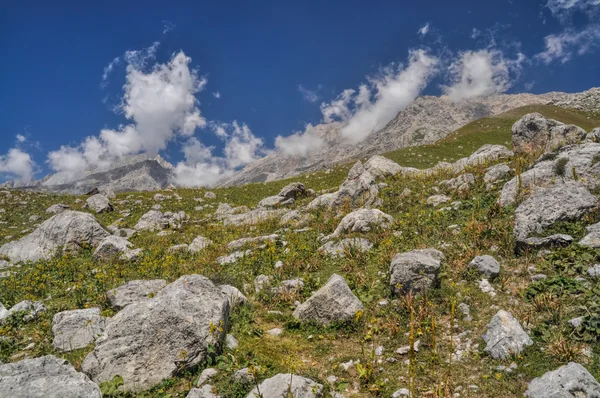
{"x":489,"y":130}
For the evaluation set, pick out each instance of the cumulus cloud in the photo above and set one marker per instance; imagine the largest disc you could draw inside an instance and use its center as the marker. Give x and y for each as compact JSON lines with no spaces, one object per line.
{"x":308,"y":95}
{"x":300,"y":143}
{"x":18,"y":165}
{"x":481,"y":73}
{"x":160,"y":105}
{"x":424,"y":29}
{"x":562,"y":46}
{"x":202,"y":168}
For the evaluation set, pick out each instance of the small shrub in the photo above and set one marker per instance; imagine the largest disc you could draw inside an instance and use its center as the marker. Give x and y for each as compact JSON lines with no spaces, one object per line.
{"x":560,"y":166}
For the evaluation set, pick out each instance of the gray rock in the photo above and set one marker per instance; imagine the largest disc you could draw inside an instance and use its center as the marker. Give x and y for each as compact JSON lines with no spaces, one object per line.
{"x":279,"y":385}
{"x":272,"y":201}
{"x":461,"y":183}
{"x":199,"y":243}
{"x":415,"y":271}
{"x":243,"y":376}
{"x":403,"y":392}
{"x":437,"y":200}
{"x":534,"y":132}
{"x":45,"y":377}
{"x":99,"y":204}
{"x":206,"y":375}
{"x":362,"y":220}
{"x":236,"y":244}
{"x":487,"y":266}
{"x":575,"y":322}
{"x":334,"y":302}
{"x":134,"y":292}
{"x":322,"y":201}
{"x":112,"y":246}
{"x":594,"y":271}
{"x":57,"y":208}
{"x":154,"y":220}
{"x":30,"y":309}
{"x":233,"y":257}
{"x":339,"y":249}
{"x":252,"y":217}
{"x":289,"y":286}
{"x":151,"y":340}
{"x":496,"y":173}
{"x":67,"y":231}
{"x":260,"y":282}
{"x":210,"y":195}
{"x":35,"y":218}
{"x":132,"y":255}
{"x":359,"y":190}
{"x":76,"y":329}
{"x":5,"y":265}
{"x":487,"y":153}
{"x":275,"y":332}
{"x":234,"y":296}
{"x":178,"y":248}
{"x":296,"y":218}
{"x":231,"y":342}
{"x":381,"y":167}
{"x":293,"y":190}
{"x":592,"y":239}
{"x":594,"y":135}
{"x":505,"y":336}
{"x":203,"y":392}
{"x":568,"y":381}
{"x":561,"y":202}
{"x":548,"y":242}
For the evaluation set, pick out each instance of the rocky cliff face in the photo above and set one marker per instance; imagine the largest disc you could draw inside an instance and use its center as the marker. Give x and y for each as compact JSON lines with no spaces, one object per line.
{"x":135,"y":173}
{"x":424,"y":121}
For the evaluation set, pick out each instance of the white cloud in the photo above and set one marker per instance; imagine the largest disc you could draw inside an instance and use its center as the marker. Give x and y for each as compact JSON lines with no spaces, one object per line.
{"x":217,"y":94}
{"x":300,"y":143}
{"x":563,"y":45}
{"x":481,"y":73}
{"x":424,"y":29}
{"x":17,"y":165}
{"x":160,"y":105}
{"x":167,"y":27}
{"x":564,"y":8}
{"x":21,"y":138}
{"x":308,"y":95}
{"x":391,"y":92}
{"x":108,"y":70}
{"x":202,"y":168}
{"x":338,"y":109}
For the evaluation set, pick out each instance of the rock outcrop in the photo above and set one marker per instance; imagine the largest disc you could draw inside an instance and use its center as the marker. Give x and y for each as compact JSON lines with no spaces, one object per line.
{"x":505,"y":336}
{"x":568,"y":381}
{"x":415,"y":271}
{"x":77,"y":329}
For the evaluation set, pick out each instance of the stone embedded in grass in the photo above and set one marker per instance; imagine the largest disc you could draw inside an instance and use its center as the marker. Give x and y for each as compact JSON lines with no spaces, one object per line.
{"x":496,"y":173}
{"x":534,"y":132}
{"x":289,"y":286}
{"x":29,"y":309}
{"x":234,"y":296}
{"x":594,"y":271}
{"x":46,"y":376}
{"x":592,"y":239}
{"x":486,"y":265}
{"x":67,"y":231}
{"x":437,"y":200}
{"x":547,"y":242}
{"x":210,"y":195}
{"x":154,"y":220}
{"x":198,"y":244}
{"x":415,"y":271}
{"x":260,"y":282}
{"x":238,"y":243}
{"x":334,"y":302}
{"x":347,"y":245}
{"x":99,"y":204}
{"x":233,"y":257}
{"x":178,"y":248}
{"x":76,"y":329}
{"x":57,"y":208}
{"x":280,"y":385}
{"x":505,"y":336}
{"x":134,"y":291}
{"x":568,"y":381}
{"x":152,"y":340}
{"x":461,"y":183}
{"x":206,"y":375}
{"x":112,"y":246}
{"x":358,"y":190}
{"x":568,"y":201}
{"x":381,"y":167}
{"x":362,"y":220}
{"x":205,"y":391}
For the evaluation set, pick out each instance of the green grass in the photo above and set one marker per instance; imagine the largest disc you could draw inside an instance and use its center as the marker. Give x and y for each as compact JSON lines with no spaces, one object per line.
{"x":490,"y":130}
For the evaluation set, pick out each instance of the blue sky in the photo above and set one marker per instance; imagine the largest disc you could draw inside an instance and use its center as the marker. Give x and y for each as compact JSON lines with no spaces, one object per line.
{"x":272,"y":67}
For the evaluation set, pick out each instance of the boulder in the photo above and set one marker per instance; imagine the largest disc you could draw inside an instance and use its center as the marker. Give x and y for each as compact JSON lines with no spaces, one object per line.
{"x":548,"y":242}
{"x":233,"y":257}
{"x":486,"y":265}
{"x":334,"y":302}
{"x":461,"y":183}
{"x":594,"y":135}
{"x":134,"y":292}
{"x":198,"y":244}
{"x":487,"y":153}
{"x":205,"y":391}
{"x":30,"y":310}
{"x":592,"y":239}
{"x":322,"y":201}
{"x":252,"y":217}
{"x":57,"y":208}
{"x":210,"y":195}
{"x":154,"y":220}
{"x":437,"y":200}
{"x":534,"y":133}
{"x":45,"y":377}
{"x":415,"y":271}
{"x":67,"y":231}
{"x":239,"y":243}
{"x":568,"y":381}
{"x":581,"y":165}
{"x":496,"y":173}
{"x":112,"y":246}
{"x":358,"y":190}
{"x":339,"y":249}
{"x":381,"y":167}
{"x":568,"y":201}
{"x":280,"y":385}
{"x":234,"y":296}
{"x":152,"y":340}
{"x":363,"y":220}
{"x":296,"y":218}
{"x":505,"y":336}
{"x":294,"y":190}
{"x":99,"y":204}
{"x":76,"y":329}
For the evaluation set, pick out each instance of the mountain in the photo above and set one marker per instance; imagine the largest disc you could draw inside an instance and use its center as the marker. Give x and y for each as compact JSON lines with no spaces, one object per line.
{"x":134,"y":173}
{"x":426,"y":120}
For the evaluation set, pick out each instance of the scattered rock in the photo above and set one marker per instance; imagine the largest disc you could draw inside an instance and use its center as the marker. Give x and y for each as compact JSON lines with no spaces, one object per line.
{"x":362,"y":220}
{"x":99,"y":204}
{"x":234,"y":296}
{"x":505,"y":336}
{"x":594,"y":271}
{"x":210,"y":195}
{"x":568,"y":381}
{"x":322,"y":201}
{"x":154,"y":220}
{"x":496,"y":173}
{"x":236,"y":244}
{"x":199,"y":243}
{"x":57,"y":208}
{"x":275,"y":332}
{"x":561,"y":202}
{"x":534,"y":132}
{"x":403,"y":392}
{"x":205,"y":391}
{"x":381,"y":167}
{"x":112,"y":246}
{"x":260,"y":282}
{"x":461,"y":183}
{"x":134,"y":291}
{"x":334,"y":302}
{"x":548,"y":242}
{"x":233,"y":257}
{"x":289,"y":286}
{"x":348,"y":245}
{"x":48,"y":377}
{"x":206,"y":375}
{"x":280,"y":385}
{"x":77,"y":329}
{"x":437,"y":200}
{"x":487,"y":266}
{"x":67,"y":231}
{"x":30,"y":310}
{"x":359,"y":190}
{"x":415,"y":271}
{"x":151,"y":340}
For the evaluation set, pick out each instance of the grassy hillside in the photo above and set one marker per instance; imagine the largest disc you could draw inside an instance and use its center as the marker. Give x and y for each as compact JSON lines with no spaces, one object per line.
{"x":490,"y":130}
